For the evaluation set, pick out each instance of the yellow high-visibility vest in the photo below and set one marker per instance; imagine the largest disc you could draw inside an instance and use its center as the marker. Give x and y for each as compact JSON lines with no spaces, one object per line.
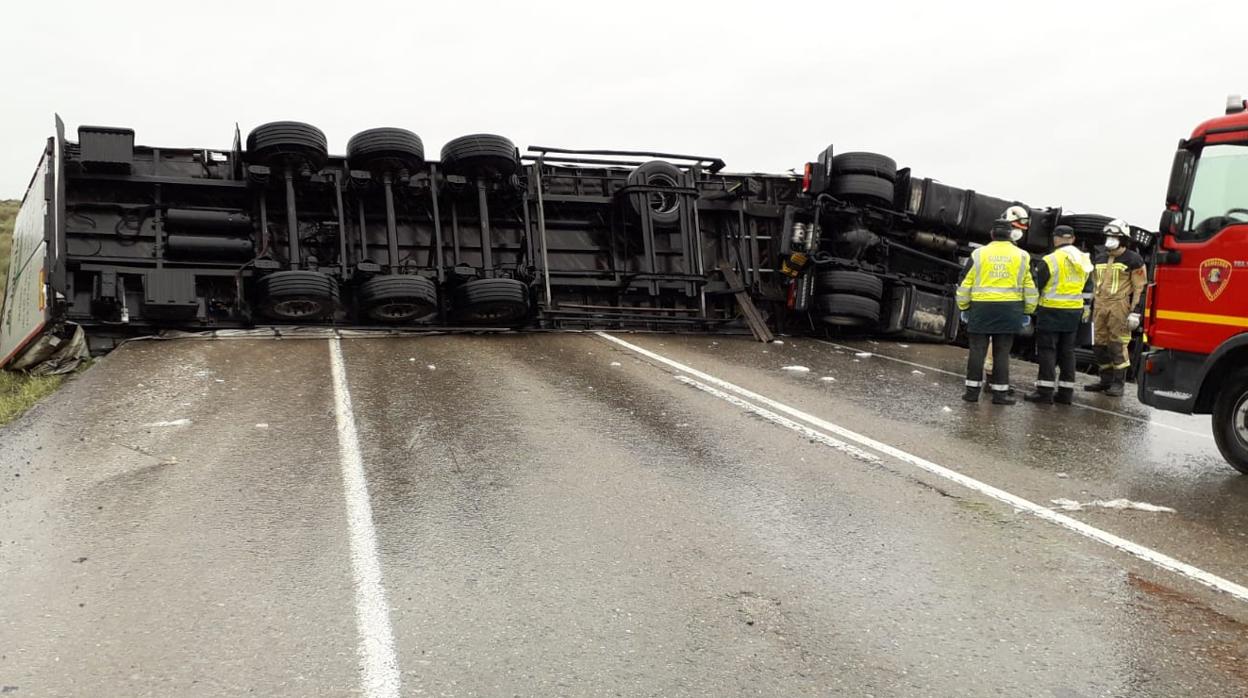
{"x":1000,"y":272}
{"x":1067,"y":279}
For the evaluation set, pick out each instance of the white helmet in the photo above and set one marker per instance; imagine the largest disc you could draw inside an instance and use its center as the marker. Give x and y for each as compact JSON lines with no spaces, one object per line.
{"x":1117,"y":228}
{"x":1017,"y":216}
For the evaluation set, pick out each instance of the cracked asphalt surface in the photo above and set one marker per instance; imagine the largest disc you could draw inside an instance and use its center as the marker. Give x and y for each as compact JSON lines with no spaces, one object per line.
{"x":557,"y":515}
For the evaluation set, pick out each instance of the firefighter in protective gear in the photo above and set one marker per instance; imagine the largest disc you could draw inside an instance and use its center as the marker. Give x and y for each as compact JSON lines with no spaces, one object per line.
{"x":1118,"y":286}
{"x":998,"y":293}
{"x":1019,"y":219}
{"x":1065,"y":284}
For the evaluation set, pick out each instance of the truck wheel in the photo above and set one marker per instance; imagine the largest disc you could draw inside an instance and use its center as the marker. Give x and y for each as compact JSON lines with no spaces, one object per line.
{"x":662,"y":207}
{"x":1230,"y":421}
{"x":500,"y":302}
{"x":845,"y":310}
{"x":381,"y":150}
{"x":398,"y":298}
{"x":281,"y":143}
{"x":481,"y":155}
{"x":864,"y":188}
{"x":853,"y":282}
{"x":1086,"y":225}
{"x":873,"y":164}
{"x":296,"y":296}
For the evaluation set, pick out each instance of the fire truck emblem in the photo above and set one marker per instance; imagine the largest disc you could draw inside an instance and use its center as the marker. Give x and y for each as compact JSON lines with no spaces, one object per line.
{"x":1215,"y":274}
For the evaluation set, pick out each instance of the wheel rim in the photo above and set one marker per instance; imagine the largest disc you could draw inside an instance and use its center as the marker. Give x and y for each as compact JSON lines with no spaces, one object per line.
{"x":1239,"y":420}
{"x":663,"y":202}
{"x":399,"y":311}
{"x":297,"y":309}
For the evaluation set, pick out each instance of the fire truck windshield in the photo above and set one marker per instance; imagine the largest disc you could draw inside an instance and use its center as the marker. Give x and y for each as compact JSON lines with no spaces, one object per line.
{"x":1219,"y":192}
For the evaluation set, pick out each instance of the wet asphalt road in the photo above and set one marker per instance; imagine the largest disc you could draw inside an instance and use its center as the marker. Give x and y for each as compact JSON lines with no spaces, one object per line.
{"x":557,"y":515}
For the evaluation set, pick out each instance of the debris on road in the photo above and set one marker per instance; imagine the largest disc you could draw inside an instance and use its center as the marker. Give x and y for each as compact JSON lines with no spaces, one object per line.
{"x":795,"y":369}
{"x":828,"y":379}
{"x":863,"y":354}
{"x":1119,"y":504}
{"x":171,"y":423}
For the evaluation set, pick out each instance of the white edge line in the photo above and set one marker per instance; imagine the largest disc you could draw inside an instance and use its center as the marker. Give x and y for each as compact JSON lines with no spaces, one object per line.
{"x":852,"y":451}
{"x":1081,"y":405}
{"x":1135,"y":549}
{"x":378,"y":663}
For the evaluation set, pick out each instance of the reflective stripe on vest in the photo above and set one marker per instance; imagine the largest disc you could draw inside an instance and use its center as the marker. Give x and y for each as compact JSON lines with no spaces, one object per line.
{"x":1066,"y":281}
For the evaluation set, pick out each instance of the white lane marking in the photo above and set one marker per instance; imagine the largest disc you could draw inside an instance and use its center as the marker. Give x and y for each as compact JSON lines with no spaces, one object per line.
{"x":1082,"y":405}
{"x":378,"y":663}
{"x":1142,"y":552}
{"x":770,"y":416}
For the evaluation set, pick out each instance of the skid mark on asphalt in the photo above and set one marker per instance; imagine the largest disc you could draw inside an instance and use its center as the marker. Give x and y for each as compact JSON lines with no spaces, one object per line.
{"x":1142,"y":552}
{"x":1081,"y":405}
{"x":378,"y":665}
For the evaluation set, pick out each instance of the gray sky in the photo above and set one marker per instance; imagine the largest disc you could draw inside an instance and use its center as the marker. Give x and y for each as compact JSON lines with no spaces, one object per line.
{"x":1062,"y":103}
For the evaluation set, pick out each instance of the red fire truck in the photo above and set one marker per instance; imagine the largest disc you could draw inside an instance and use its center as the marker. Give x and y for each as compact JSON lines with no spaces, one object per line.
{"x":1196,"y":317}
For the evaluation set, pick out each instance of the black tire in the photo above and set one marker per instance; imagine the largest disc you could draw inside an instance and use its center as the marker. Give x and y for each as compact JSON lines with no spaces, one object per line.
{"x":863,"y":188}
{"x":297,"y":296}
{"x":382,"y":150}
{"x":282,"y":143}
{"x":872,"y":164}
{"x":1230,"y":421}
{"x":846,"y":310}
{"x":497,"y":302}
{"x":397,"y":298}
{"x":481,"y":155}
{"x":853,"y":282}
{"x":663,"y":208}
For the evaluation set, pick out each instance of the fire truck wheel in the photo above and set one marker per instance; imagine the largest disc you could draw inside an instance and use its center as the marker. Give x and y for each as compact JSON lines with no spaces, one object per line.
{"x":297,"y":296}
{"x":398,"y":298}
{"x":1230,"y":421}
{"x":495,"y":302}
{"x":279,"y":144}
{"x":382,"y":150}
{"x":662,"y":207}
{"x":845,"y":310}
{"x":852,"y":282}
{"x":872,"y":164}
{"x":481,"y":155}
{"x":863,"y":188}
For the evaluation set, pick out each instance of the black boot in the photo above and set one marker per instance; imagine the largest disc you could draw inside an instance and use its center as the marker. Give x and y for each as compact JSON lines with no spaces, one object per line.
{"x":1117,"y":383}
{"x":1065,"y":396}
{"x":1002,"y":397}
{"x":971,"y":394}
{"x":1042,"y":396}
{"x":1107,"y":380}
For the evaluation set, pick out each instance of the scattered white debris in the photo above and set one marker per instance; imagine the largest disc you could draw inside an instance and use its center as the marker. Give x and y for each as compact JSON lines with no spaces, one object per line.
{"x":1119,"y":504}
{"x":828,"y":379}
{"x":766,"y":352}
{"x":904,"y":346}
{"x":412,"y":359}
{"x":1063,"y":476}
{"x":946,"y":408}
{"x":683,"y":424}
{"x":169,"y":460}
{"x":431,"y":367}
{"x":857,"y":361}
{"x":917,"y":372}
{"x":262,"y":425}
{"x":863,"y":354}
{"x":777,"y":341}
{"x":795,"y":369}
{"x":616,"y":363}
{"x":171,"y":423}
{"x":220,"y":380}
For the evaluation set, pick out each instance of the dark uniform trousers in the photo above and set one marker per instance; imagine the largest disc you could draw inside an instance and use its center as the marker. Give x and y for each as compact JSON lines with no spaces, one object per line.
{"x":1054,"y":350}
{"x":1002,"y":343}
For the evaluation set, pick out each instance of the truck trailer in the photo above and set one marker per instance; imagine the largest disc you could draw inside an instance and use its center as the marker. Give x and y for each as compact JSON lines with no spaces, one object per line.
{"x":122,"y":240}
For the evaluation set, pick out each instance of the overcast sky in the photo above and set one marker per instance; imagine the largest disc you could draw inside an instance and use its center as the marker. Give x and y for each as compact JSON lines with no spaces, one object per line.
{"x":1076,"y":104}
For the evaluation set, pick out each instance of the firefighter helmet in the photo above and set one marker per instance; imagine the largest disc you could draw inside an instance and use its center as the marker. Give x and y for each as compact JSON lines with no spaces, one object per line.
{"x":1017,"y":216}
{"x":1117,"y":228}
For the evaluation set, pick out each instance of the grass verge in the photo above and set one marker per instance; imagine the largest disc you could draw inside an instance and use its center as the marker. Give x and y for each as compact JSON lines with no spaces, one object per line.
{"x":18,"y":392}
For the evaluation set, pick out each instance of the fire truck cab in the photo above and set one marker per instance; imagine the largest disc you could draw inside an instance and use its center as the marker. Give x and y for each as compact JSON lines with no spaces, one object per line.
{"x":1196,"y":316}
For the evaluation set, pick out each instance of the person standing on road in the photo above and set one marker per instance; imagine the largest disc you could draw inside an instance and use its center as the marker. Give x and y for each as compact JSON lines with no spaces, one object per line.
{"x":1065,"y":284}
{"x":1120,"y":279}
{"x":1019,"y":219}
{"x":997,"y":293}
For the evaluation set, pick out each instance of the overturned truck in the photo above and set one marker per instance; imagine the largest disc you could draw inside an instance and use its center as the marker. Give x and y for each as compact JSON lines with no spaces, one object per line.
{"x":123,"y":240}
